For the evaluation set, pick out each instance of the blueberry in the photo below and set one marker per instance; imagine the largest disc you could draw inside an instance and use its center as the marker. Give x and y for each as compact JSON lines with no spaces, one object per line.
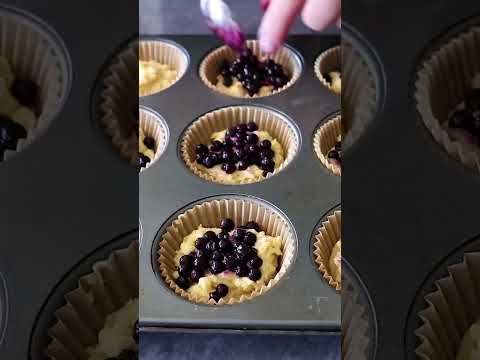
{"x":216,"y":267}
{"x":217,"y":255}
{"x":267,"y":153}
{"x":239,"y":234}
{"x":229,"y":168}
{"x":278,"y":82}
{"x":253,"y":225}
{"x":223,"y":236}
{"x":251,"y":88}
{"x":143,"y":160}
{"x":222,"y":290}
{"x":333,"y":154}
{"x":182,"y":282}
{"x":242,"y":251}
{"x":473,"y":100}
{"x":200,"y":262}
{"x":254,"y":263}
{"x":186,"y":260}
{"x":211,"y":246}
{"x":252,"y":138}
{"x":210,"y":161}
{"x":225,"y":245}
{"x":227,"y":81}
{"x":215,"y":296}
{"x":227,"y":224}
{"x":10,"y":132}
{"x":265,"y":144}
{"x":254,"y":274}
{"x":241,"y":128}
{"x":149,"y":142}
{"x":184,"y":270}
{"x":201,"y":149}
{"x":200,"y":243}
{"x":252,"y":149}
{"x":327,"y":77}
{"x":460,"y":119}
{"x":243,"y":165}
{"x":251,"y":126}
{"x":338,"y":145}
{"x":216,"y":146}
{"x":241,"y":270}
{"x":267,"y":164}
{"x":250,"y":239}
{"x":229,"y":262}
{"x":200,"y":158}
{"x":227,"y":156}
{"x":196,"y":274}
{"x":210,"y":235}
{"x":229,"y":133}
{"x":25,"y":91}
{"x":239,"y":153}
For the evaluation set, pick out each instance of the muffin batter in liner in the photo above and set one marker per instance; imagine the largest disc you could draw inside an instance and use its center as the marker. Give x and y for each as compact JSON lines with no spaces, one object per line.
{"x":210,"y":66}
{"x":329,"y":60}
{"x":324,"y":139}
{"x":267,"y":120}
{"x":209,"y":214}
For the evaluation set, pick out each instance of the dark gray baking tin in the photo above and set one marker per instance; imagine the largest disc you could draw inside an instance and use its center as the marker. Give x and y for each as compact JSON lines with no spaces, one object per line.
{"x":304,"y":191}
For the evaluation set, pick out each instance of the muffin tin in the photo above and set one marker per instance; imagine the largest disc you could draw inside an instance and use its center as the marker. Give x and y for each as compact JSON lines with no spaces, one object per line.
{"x":406,"y":203}
{"x":304,"y":191}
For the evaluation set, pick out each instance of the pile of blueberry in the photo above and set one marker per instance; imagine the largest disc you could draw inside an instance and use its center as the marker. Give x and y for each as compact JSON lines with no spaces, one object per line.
{"x":240,"y":148}
{"x":253,"y":73}
{"x":469,"y":118}
{"x":231,"y":250}
{"x":335,"y":154}
{"x":143,"y":159}
{"x":25,"y":92}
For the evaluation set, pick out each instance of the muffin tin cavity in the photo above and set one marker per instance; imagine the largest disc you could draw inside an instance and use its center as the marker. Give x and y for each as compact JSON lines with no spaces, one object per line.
{"x":277,"y":124}
{"x":166,"y":53}
{"x":362,"y":86}
{"x":288,"y":58}
{"x":452,"y":287}
{"x":359,"y":322}
{"x":327,"y":143}
{"x":3,"y":307}
{"x":35,"y":53}
{"x":154,"y":128}
{"x":208,"y":213}
{"x":328,"y":68}
{"x":121,"y":253}
{"x":443,"y":82}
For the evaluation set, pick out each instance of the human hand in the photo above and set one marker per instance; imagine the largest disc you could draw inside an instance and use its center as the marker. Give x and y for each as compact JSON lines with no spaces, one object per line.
{"x":280,"y":15}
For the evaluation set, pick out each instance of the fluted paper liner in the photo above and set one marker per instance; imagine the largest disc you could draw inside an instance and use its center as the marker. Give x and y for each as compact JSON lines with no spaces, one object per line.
{"x":355,"y":341}
{"x":451,"y":310}
{"x":326,"y":238}
{"x":443,"y":82}
{"x":209,"y":214}
{"x":329,"y":60}
{"x":324,"y":139}
{"x":154,"y":126}
{"x":359,"y":93}
{"x":267,"y":119}
{"x":119,"y":101}
{"x":35,"y":53}
{"x":108,"y":288}
{"x":166,"y":53}
{"x":210,"y":66}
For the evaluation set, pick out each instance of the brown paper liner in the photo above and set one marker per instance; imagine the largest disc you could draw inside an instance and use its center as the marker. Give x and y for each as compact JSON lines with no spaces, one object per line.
{"x":154,"y":126}
{"x":119,"y":101}
{"x":326,"y":62}
{"x":451,"y":310}
{"x":166,"y":53}
{"x":267,"y":120}
{"x":209,"y":214}
{"x":442,"y":83}
{"x":359,"y":93}
{"x":210,"y":66}
{"x":108,"y":288}
{"x":324,"y":139}
{"x":35,"y":52}
{"x":326,"y":238}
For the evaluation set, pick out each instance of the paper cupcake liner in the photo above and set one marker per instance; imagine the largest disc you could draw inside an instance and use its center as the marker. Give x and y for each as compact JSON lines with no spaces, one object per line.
{"x":328,"y":234}
{"x":451,"y":310}
{"x":119,"y":102}
{"x":154,"y":126}
{"x":324,"y":139}
{"x":108,"y":288}
{"x":359,"y":93}
{"x":35,"y":52}
{"x":327,"y":61}
{"x":355,"y":341}
{"x":275,"y":123}
{"x":442,"y":83}
{"x":166,"y":53}
{"x":209,"y":214}
{"x":210,"y":66}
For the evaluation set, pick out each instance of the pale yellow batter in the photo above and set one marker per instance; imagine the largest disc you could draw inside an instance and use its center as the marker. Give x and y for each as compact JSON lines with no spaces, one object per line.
{"x":335,"y":263}
{"x":154,"y":77}
{"x":269,"y":249}
{"x":117,"y":333}
{"x":141,"y":146}
{"x":9,"y":106}
{"x":237,"y":89}
{"x":470,"y":347}
{"x":336,"y":84}
{"x":253,"y":173}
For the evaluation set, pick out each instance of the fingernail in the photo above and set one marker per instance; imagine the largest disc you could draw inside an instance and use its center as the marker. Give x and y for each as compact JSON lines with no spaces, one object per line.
{"x":267,"y":45}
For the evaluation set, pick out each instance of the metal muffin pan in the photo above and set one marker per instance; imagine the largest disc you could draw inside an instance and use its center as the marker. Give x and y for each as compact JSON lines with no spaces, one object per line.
{"x":304,"y":191}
